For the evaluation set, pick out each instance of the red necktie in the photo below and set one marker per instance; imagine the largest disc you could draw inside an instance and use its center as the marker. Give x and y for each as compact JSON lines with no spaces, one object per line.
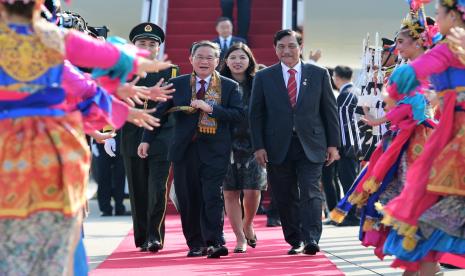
{"x":292,"y":87}
{"x":201,"y":93}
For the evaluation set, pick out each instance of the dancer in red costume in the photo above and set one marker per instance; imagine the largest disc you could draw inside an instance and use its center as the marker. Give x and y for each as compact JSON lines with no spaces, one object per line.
{"x":44,"y":158}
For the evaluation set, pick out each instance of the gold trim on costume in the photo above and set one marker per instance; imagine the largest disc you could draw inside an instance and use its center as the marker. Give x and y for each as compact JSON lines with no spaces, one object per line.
{"x":25,"y":57}
{"x":43,"y":206}
{"x":337,"y":215}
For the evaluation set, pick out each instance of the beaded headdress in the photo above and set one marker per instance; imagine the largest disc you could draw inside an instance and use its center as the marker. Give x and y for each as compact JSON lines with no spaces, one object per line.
{"x":417,"y":26}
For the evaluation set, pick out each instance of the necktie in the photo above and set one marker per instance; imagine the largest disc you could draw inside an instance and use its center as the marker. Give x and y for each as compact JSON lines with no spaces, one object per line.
{"x":225,"y":45}
{"x":292,"y":87}
{"x":201,"y":93}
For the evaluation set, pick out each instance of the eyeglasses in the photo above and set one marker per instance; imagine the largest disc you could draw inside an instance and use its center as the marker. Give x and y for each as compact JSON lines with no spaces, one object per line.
{"x":290,"y":46}
{"x":208,"y":58}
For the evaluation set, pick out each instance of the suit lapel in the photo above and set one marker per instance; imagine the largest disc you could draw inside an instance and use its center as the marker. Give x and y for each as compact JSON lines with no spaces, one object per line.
{"x":186,"y":97}
{"x":279,"y":81}
{"x":304,"y":84}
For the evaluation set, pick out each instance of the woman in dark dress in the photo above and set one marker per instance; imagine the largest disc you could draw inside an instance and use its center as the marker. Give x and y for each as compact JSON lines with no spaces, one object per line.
{"x":244,"y":173}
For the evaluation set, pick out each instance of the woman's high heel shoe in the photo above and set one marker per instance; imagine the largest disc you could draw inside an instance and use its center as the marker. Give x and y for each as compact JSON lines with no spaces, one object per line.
{"x":252,"y":242}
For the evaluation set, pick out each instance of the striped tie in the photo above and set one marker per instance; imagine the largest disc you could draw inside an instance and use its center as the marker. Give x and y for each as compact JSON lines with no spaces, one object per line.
{"x":292,"y":87}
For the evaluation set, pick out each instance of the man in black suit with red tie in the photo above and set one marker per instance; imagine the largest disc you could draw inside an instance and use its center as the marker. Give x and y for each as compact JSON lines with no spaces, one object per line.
{"x":295,"y":131}
{"x":204,"y":105}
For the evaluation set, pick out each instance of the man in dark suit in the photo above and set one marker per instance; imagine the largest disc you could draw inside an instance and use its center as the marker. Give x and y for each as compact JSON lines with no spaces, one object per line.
{"x":147,"y":178}
{"x":293,"y":118}
{"x":108,"y":171}
{"x":347,"y":165}
{"x":205,"y":105}
{"x":225,"y":39}
{"x":243,"y":15}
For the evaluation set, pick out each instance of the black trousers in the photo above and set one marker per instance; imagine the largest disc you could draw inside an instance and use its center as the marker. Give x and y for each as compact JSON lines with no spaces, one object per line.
{"x":198,"y":190}
{"x":295,"y":186}
{"x":330,"y":185}
{"x":147,"y":179}
{"x":347,"y":170}
{"x":243,"y":15}
{"x":109,"y":174}
{"x":272,"y":211}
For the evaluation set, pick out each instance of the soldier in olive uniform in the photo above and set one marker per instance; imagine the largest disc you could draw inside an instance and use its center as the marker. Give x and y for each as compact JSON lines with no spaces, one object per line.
{"x":148,"y":178}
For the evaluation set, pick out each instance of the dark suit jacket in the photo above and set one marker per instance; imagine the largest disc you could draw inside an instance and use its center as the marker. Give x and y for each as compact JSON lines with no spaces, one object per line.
{"x":131,"y":135}
{"x":213,"y":149}
{"x":347,"y":101}
{"x":234,"y":39}
{"x":347,"y":105}
{"x":314,"y":118}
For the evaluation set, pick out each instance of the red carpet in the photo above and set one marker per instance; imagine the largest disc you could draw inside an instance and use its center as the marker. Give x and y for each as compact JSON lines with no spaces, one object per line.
{"x":269,"y":258}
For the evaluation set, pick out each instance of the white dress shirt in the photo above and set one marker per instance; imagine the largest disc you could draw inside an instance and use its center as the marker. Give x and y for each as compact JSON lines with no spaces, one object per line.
{"x":228,"y":41}
{"x":198,"y":85}
{"x":298,"y":76}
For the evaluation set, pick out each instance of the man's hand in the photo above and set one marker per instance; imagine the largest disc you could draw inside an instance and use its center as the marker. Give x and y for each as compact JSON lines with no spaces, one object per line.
{"x":143,"y":150}
{"x":315,"y":56}
{"x":202,"y":105}
{"x":142,"y":118}
{"x":262,"y":157}
{"x":161,"y":93}
{"x":332,"y":155}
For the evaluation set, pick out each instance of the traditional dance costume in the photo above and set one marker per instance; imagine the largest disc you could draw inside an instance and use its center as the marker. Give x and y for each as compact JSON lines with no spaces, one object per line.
{"x":44,"y":158}
{"x":429,"y":214}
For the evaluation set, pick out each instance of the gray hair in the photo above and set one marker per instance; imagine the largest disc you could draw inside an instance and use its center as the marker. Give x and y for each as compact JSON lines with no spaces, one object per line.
{"x":206,"y":43}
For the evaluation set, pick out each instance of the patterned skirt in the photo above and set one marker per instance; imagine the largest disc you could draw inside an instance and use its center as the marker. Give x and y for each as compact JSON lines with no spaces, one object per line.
{"x":42,"y":244}
{"x":245,"y":176}
{"x":44,"y":166}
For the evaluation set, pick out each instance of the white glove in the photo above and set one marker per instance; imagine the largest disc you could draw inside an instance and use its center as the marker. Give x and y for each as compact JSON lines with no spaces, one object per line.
{"x":110,"y":147}
{"x":95,"y":150}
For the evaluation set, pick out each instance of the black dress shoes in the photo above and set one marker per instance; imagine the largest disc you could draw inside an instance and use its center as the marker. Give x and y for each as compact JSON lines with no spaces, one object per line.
{"x":197,"y":252}
{"x":143,"y":247}
{"x":122,"y":213}
{"x":311,"y":248}
{"x":154,"y":246}
{"x":217,"y":251}
{"x":296,"y":249}
{"x":272,"y":222}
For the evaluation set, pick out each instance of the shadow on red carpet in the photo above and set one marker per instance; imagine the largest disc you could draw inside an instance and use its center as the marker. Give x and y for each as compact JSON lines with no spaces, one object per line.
{"x":268,"y":258}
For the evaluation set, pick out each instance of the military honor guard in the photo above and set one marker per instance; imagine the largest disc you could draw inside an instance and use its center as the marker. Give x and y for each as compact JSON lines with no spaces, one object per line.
{"x":148,"y":177}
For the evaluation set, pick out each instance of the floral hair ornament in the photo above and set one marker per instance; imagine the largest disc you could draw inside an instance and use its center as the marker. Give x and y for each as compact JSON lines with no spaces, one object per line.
{"x":412,"y":23}
{"x":417,"y":4}
{"x":461,"y":7}
{"x":458,"y":4}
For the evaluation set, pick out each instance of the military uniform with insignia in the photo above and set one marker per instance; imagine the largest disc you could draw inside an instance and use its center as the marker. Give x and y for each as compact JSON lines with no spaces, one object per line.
{"x":148,"y":178}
